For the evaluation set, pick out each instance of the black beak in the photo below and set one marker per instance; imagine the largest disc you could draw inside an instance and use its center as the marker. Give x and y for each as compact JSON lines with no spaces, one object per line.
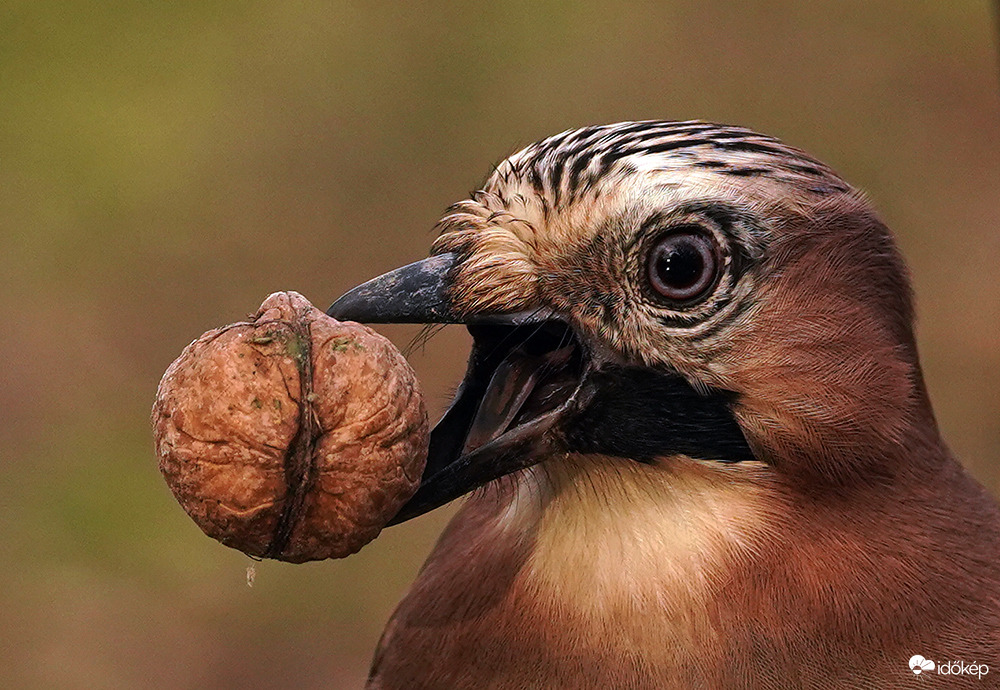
{"x":415,"y":293}
{"x":523,"y":370}
{"x":418,"y":293}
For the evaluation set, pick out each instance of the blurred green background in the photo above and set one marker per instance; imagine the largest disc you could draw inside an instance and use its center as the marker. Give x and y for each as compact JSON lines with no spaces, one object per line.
{"x":164,"y":166}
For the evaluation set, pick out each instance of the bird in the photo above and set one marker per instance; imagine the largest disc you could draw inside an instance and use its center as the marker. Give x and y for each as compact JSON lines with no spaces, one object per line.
{"x":694,"y":438}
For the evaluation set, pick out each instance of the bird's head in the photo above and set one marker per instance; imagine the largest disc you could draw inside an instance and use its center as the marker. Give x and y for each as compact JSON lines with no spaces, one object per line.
{"x":654,"y":289}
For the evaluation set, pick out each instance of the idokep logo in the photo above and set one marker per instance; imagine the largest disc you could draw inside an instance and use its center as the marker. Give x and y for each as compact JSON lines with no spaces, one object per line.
{"x":920,"y":665}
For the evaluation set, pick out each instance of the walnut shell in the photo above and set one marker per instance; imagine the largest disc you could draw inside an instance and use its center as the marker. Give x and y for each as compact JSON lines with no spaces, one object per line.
{"x":291,"y":436}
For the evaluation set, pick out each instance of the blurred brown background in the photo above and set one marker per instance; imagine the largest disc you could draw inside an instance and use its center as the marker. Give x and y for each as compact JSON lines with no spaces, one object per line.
{"x":164,"y":166}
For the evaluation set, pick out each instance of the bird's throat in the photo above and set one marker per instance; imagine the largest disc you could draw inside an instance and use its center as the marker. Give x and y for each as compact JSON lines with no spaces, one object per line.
{"x":607,"y":533}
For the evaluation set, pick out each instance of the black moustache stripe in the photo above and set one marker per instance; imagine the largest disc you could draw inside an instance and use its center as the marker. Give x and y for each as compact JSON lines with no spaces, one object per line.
{"x":636,"y":413}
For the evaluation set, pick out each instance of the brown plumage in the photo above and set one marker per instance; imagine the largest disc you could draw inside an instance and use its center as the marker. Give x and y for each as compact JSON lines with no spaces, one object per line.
{"x":848,"y":542}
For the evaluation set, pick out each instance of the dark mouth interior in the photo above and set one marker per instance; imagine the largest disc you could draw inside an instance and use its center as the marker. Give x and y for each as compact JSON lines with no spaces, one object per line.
{"x":516,"y":373}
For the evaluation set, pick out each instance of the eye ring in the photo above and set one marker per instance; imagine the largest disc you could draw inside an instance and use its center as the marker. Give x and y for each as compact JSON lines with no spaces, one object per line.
{"x":683,"y":265}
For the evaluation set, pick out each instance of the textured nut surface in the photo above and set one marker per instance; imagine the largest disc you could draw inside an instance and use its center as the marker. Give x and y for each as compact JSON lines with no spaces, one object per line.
{"x":292,"y":435}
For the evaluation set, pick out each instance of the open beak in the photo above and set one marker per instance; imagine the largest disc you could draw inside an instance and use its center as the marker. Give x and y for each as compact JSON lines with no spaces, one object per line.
{"x":524,"y":374}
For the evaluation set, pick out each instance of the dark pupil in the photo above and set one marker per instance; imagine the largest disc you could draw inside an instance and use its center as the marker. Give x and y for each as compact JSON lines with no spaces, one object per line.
{"x":679,"y":264}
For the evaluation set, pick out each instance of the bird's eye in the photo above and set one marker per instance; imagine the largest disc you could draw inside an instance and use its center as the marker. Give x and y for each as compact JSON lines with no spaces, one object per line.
{"x":683,"y":265}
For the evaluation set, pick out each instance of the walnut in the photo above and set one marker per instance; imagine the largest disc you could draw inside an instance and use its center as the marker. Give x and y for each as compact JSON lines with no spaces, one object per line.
{"x":292,"y":435}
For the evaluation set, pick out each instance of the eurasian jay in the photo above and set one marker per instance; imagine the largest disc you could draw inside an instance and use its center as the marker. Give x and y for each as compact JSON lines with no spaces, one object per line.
{"x":694,"y":433}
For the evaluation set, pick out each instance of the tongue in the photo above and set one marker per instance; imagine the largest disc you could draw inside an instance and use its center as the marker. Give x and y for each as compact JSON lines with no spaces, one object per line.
{"x":510,"y":387}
